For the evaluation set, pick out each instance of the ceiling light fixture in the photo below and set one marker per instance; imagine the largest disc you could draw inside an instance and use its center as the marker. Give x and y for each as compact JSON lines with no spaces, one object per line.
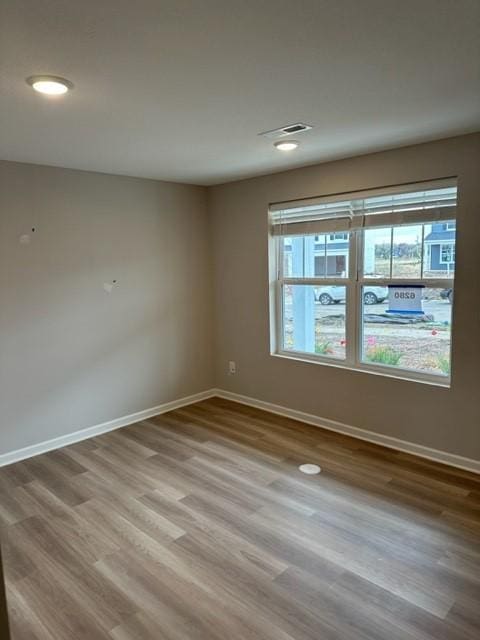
{"x":286,"y":145}
{"x":50,"y":85}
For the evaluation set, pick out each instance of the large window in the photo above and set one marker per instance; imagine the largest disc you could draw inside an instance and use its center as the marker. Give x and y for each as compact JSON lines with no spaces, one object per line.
{"x":366,"y":281}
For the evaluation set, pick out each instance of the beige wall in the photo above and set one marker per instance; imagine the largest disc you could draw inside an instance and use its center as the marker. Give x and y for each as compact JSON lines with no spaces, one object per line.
{"x":71,"y":355}
{"x":446,"y":419}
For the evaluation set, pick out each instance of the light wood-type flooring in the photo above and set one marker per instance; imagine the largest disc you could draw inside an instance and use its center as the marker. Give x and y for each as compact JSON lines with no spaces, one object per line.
{"x":197,"y":525}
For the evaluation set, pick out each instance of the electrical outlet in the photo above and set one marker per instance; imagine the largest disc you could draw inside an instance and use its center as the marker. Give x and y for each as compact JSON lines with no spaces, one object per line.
{"x":232,"y":368}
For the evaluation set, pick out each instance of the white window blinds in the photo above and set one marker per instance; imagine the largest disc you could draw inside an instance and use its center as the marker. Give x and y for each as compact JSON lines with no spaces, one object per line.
{"x":430,"y":202}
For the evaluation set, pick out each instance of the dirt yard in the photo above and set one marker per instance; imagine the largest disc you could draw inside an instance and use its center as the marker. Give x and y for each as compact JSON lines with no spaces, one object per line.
{"x":423,"y":346}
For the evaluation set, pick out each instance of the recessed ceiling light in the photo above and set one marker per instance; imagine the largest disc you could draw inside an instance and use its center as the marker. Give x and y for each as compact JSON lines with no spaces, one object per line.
{"x":50,"y":85}
{"x":286,"y":145}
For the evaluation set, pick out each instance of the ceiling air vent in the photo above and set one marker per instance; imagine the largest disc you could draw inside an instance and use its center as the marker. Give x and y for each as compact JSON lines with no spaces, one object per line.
{"x":297,"y":128}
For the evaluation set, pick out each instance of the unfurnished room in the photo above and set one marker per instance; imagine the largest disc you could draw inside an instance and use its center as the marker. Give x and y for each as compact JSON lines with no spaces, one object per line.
{"x":240,"y":320}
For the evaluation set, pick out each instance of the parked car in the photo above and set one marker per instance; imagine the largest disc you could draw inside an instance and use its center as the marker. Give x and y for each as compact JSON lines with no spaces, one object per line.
{"x":447,"y":294}
{"x":335,"y":293}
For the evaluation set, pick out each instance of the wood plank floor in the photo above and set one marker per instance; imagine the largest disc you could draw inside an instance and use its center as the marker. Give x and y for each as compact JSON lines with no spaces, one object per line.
{"x":197,"y":525}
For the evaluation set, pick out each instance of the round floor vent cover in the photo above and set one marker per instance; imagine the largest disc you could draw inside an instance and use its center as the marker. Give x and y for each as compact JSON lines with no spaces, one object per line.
{"x":310,"y":469}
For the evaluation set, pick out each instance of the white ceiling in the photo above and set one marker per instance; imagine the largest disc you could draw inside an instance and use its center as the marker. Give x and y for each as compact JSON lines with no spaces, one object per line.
{"x":179,"y":89}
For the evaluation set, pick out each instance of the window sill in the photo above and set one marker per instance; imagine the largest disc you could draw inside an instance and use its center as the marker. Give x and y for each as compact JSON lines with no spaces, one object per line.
{"x":404,"y":376}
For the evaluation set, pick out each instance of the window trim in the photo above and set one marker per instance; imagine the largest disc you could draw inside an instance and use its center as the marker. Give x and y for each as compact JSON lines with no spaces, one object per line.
{"x":384,"y":370}
{"x":353,"y":282}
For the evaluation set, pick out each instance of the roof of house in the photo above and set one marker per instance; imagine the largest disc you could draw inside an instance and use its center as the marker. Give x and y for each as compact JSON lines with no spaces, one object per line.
{"x":440,"y":236}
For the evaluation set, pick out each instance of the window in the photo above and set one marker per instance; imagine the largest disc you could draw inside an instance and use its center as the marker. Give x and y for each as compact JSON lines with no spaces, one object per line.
{"x":447,"y":253}
{"x":366,"y":282}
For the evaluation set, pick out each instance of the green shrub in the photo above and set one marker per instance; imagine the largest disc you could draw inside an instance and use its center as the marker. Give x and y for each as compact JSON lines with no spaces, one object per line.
{"x":443,"y":363}
{"x":323,"y":348}
{"x":383,"y":355}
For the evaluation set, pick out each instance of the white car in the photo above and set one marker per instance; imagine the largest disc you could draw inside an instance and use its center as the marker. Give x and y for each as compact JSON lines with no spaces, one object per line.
{"x":335,"y":294}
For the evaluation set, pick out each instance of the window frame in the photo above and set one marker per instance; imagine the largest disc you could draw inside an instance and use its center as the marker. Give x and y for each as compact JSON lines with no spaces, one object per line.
{"x":353,"y":282}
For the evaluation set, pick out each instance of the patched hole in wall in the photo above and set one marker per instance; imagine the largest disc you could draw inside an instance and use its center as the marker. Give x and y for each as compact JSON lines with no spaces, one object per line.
{"x":26,"y":238}
{"x":108,"y":286}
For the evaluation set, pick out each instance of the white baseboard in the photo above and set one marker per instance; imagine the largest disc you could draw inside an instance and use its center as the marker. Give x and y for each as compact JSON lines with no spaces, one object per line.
{"x":332,"y":425}
{"x":370,"y":436}
{"x":98,"y":429}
